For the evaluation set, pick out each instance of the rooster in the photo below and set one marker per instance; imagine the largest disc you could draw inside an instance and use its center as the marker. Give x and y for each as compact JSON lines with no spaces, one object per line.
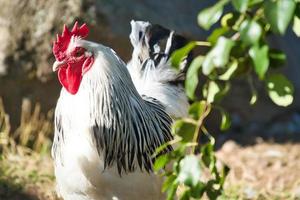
{"x":110,"y":118}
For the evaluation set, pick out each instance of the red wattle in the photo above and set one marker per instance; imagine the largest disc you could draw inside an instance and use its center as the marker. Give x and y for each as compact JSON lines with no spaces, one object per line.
{"x":70,"y":77}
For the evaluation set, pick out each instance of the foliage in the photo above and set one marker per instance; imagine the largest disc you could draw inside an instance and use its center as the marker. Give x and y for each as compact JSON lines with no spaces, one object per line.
{"x":237,"y":48}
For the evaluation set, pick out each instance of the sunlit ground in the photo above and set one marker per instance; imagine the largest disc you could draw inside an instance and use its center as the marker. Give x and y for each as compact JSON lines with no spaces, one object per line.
{"x":26,"y":175}
{"x":262,"y":171}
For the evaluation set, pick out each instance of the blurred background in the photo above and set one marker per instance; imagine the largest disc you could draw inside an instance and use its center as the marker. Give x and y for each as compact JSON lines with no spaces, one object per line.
{"x":261,"y":147}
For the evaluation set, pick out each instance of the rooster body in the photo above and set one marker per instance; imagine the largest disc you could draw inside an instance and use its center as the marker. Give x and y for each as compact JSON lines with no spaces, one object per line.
{"x":106,"y":131}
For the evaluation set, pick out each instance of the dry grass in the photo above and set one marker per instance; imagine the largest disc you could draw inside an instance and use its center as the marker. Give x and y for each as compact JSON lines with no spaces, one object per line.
{"x":34,"y":131}
{"x":4,"y":127}
{"x":26,"y":170}
{"x":35,"y":128}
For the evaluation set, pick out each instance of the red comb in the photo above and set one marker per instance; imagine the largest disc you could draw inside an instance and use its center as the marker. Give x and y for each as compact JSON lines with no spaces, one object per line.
{"x":63,"y":40}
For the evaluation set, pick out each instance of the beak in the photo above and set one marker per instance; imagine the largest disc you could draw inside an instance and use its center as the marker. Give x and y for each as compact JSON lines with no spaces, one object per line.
{"x":57,"y":64}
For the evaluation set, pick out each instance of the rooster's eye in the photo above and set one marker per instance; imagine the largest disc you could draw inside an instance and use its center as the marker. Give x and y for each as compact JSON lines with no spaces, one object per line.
{"x":79,"y":52}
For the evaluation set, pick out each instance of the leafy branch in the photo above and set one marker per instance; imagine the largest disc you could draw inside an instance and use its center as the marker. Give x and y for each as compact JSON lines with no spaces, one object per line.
{"x":237,"y":48}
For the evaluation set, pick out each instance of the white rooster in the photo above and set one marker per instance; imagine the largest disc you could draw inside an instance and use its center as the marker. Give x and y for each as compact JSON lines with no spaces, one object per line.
{"x":109,"y":119}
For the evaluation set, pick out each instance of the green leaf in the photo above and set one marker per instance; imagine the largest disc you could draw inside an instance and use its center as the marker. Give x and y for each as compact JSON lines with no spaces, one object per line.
{"x":279,"y":13}
{"x":176,"y":164}
{"x":218,"y":56}
{"x":297,"y":10}
{"x":172,"y":191}
{"x":207,"y":152}
{"x":197,"y":109}
{"x":253,"y":90}
{"x":184,"y":129}
{"x":229,"y":20}
{"x":277,"y":58}
{"x":212,"y":91}
{"x":178,"y":55}
{"x":198,"y":191}
{"x":191,"y":81}
{"x":211,"y":192}
{"x":259,"y":56}
{"x":230,"y":71}
{"x":185,"y":195}
{"x":209,"y":16}
{"x":167,"y":183}
{"x":160,"y":162}
{"x":222,"y":51}
{"x":226,"y":121}
{"x":224,"y":173}
{"x":208,"y":65}
{"x":240,"y":5}
{"x":250,"y":31}
{"x":296,"y":26}
{"x":190,"y":170}
{"x":254,"y":2}
{"x":253,"y":98}
{"x":218,"y":32}
{"x":280,"y":89}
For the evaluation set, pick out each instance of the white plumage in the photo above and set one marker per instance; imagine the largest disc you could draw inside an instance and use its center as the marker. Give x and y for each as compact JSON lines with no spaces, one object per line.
{"x":106,"y":133}
{"x":152,"y":79}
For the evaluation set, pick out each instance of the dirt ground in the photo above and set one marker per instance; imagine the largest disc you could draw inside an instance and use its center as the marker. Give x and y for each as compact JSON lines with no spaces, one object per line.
{"x":261,"y":171}
{"x":25,"y":175}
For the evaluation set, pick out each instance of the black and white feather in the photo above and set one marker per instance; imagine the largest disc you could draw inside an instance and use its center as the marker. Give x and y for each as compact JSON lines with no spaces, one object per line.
{"x":150,"y":67}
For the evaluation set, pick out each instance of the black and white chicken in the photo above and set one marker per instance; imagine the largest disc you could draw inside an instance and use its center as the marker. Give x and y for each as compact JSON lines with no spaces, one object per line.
{"x":110,"y":117}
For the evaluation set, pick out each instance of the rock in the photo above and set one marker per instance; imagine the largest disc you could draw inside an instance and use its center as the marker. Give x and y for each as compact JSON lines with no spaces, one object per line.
{"x":273,"y":153}
{"x":229,"y":146}
{"x":250,"y":193}
{"x":27,"y":31}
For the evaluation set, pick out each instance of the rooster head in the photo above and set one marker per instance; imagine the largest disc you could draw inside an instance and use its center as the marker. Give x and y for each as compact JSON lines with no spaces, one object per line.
{"x":72,"y":59}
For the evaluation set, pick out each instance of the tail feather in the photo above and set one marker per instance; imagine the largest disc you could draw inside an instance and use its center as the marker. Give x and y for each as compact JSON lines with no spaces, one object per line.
{"x":151,"y":69}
